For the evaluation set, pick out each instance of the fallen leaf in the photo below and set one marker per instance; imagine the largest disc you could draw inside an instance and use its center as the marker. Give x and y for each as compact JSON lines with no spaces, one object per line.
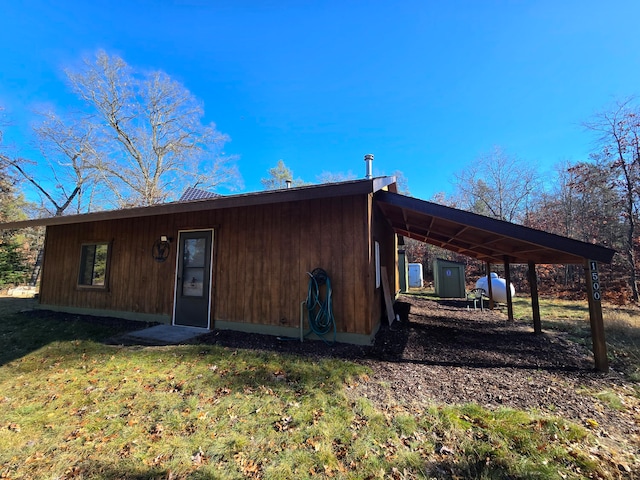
{"x":443,"y":450}
{"x":591,"y":423}
{"x":14,"y":427}
{"x":198,"y":458}
{"x":623,"y":467}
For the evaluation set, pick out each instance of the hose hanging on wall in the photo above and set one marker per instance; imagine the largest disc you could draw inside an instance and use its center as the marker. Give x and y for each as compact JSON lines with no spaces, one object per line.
{"x":321,"y":319}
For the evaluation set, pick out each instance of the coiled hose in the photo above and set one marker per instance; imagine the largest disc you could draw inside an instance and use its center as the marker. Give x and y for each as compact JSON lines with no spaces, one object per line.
{"x":321,"y":319}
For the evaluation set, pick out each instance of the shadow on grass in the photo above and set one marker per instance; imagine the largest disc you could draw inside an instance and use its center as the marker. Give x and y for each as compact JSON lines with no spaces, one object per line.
{"x":24,"y":330}
{"x":445,"y":335}
{"x":11,"y":305}
{"x":90,"y":469}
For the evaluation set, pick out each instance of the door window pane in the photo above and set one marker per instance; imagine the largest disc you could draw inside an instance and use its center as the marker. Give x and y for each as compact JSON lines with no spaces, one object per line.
{"x":194,"y":252}
{"x":193,"y":282}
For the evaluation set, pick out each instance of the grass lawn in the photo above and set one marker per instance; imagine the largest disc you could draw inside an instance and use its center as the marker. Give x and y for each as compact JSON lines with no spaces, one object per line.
{"x":72,"y":407}
{"x":622,"y":327}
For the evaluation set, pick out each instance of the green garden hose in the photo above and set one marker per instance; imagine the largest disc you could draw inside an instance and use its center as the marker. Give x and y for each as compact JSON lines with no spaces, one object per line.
{"x":321,"y":319}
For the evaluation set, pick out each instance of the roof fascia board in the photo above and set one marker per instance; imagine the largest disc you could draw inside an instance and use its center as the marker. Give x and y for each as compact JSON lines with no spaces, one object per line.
{"x":380,"y":183}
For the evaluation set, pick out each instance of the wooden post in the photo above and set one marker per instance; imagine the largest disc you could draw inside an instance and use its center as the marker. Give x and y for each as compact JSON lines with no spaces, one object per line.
{"x":507,"y":279}
{"x":535,"y":302}
{"x":489,"y":286}
{"x":595,"y":316}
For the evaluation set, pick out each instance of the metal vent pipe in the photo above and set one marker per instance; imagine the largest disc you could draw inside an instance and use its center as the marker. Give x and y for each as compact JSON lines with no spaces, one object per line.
{"x":368,"y":158}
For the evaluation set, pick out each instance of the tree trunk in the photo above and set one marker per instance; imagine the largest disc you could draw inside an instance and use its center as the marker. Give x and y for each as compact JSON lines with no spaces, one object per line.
{"x":631,"y":259}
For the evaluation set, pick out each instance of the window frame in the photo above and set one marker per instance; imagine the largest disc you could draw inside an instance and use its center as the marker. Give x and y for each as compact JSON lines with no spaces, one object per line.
{"x":83,"y":264}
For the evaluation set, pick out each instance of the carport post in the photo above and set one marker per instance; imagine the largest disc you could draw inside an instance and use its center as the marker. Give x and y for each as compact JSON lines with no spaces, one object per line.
{"x":595,"y":316}
{"x":535,"y":303}
{"x":489,"y":286}
{"x":507,"y":279}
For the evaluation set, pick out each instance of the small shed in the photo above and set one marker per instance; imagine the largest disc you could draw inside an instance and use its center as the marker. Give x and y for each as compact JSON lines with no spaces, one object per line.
{"x":403,"y":266}
{"x":448,"y":278}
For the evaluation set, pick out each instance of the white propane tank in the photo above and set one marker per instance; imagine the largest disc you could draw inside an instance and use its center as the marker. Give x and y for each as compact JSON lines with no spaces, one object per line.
{"x":498,"y":287}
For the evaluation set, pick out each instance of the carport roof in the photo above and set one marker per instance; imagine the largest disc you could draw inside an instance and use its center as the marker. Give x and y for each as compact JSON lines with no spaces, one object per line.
{"x":481,"y":237}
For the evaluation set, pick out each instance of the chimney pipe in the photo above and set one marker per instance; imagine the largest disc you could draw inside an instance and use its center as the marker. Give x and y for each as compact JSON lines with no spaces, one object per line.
{"x":288,"y":182}
{"x":368,"y":158}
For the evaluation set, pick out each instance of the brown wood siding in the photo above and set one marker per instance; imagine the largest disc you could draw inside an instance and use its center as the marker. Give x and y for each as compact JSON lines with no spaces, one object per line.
{"x":136,"y":282}
{"x":374,"y":301}
{"x":346,"y":237}
{"x":262,"y":255}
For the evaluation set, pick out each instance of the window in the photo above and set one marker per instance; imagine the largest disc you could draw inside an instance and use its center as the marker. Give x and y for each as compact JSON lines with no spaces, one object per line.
{"x":94,"y":260}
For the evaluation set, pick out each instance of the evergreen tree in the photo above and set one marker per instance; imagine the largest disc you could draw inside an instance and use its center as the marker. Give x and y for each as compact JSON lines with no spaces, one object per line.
{"x":278,"y":177}
{"x":14,"y":266}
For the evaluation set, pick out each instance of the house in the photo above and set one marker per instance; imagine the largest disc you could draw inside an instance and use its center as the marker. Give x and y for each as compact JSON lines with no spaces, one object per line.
{"x":241,"y":262}
{"x":230,"y":262}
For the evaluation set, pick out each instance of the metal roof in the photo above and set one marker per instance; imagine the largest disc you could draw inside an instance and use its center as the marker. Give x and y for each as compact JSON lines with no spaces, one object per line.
{"x":481,"y":237}
{"x":192,"y":193}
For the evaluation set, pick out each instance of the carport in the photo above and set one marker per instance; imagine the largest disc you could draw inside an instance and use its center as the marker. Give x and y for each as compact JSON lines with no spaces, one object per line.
{"x":498,"y":242}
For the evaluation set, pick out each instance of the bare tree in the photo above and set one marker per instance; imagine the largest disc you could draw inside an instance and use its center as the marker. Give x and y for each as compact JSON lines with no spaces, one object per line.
{"x":24,"y":168}
{"x":559,"y":209}
{"x":70,"y":148}
{"x":402,"y":182}
{"x":331,"y":177}
{"x":619,"y":136}
{"x":497,"y":185}
{"x":568,"y":208}
{"x":147,"y":133}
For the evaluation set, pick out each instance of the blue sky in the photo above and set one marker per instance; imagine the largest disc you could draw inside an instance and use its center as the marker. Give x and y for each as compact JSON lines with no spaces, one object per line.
{"x":426,"y":86}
